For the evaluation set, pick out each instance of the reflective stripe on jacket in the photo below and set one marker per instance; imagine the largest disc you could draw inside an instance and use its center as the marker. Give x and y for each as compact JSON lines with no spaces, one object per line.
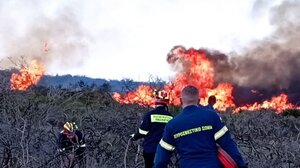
{"x":152,"y":127}
{"x":194,"y":134}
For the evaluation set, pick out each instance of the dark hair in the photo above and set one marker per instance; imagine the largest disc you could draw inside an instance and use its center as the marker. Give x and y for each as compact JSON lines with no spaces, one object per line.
{"x":212,"y":100}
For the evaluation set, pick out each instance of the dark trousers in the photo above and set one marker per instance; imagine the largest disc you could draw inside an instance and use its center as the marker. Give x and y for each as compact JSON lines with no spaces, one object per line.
{"x":71,"y":159}
{"x":148,"y":159}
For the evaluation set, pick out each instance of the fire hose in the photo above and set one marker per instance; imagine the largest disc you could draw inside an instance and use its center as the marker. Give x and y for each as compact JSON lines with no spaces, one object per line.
{"x":126,"y":152}
{"x":48,"y":161}
{"x":60,"y":153}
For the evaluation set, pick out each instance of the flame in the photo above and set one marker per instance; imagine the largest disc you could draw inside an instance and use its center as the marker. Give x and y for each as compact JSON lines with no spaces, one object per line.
{"x":28,"y":76}
{"x":192,"y":67}
{"x":223,"y":93}
{"x":45,"y":47}
{"x":278,"y":103}
{"x":142,"y":96}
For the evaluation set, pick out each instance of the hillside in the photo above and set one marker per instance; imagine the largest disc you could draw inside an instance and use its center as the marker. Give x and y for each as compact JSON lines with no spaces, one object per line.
{"x":70,"y":81}
{"x":67,"y":81}
{"x":30,"y":122}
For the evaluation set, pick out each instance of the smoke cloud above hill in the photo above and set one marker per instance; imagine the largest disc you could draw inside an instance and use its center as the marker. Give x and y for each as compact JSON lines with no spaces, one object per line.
{"x":269,"y":63}
{"x":47,"y":32}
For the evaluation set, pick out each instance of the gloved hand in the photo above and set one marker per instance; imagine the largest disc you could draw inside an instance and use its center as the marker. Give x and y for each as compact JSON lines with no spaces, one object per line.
{"x":133,"y":137}
{"x":81,"y":146}
{"x":61,"y":150}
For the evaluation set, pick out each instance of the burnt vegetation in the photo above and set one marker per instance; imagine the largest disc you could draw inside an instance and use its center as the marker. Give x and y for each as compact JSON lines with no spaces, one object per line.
{"x":30,"y":122}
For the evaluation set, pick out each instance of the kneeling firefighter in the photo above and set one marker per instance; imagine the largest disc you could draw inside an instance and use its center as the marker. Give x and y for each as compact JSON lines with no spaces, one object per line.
{"x":71,"y":144}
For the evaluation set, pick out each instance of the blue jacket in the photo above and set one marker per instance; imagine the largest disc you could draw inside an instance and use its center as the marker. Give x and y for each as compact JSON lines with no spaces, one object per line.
{"x":152,"y":127}
{"x":195,"y":133}
{"x":209,"y":107}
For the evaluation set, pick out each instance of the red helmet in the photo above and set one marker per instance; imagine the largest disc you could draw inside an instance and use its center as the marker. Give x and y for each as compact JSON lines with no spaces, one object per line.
{"x":161,"y":97}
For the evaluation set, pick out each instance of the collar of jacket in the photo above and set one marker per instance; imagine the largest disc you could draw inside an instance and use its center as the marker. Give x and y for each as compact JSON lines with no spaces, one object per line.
{"x":189,"y":109}
{"x":160,"y":106}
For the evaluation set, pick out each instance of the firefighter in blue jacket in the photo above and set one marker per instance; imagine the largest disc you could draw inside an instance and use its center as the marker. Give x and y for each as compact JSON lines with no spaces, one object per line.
{"x":212,"y":100}
{"x":152,"y":126}
{"x":195,"y":133}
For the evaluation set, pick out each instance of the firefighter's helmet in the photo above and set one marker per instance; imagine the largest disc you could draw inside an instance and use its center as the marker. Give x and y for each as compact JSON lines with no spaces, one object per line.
{"x":70,"y":126}
{"x":161,"y":97}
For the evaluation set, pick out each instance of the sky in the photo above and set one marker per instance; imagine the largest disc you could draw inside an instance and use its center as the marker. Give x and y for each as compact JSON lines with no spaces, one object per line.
{"x":117,"y":39}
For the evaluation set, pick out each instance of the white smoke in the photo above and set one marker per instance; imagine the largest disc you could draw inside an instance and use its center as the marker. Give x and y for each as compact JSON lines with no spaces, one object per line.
{"x":49,"y":32}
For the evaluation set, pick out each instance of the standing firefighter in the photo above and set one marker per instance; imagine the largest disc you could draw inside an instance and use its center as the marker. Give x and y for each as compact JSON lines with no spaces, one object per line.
{"x":226,"y":160}
{"x":152,"y":126}
{"x":211,"y":102}
{"x":195,"y":133}
{"x":71,"y":144}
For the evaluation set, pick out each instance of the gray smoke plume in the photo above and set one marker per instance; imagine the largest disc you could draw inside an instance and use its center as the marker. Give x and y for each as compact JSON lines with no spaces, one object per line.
{"x":29,"y":32}
{"x":269,"y":67}
{"x":271,"y":63}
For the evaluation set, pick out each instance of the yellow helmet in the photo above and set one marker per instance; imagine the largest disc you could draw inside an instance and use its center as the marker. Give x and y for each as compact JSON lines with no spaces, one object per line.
{"x":69,"y":126}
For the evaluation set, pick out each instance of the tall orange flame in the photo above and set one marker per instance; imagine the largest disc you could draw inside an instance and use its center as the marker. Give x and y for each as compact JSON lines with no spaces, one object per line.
{"x":28,"y":76}
{"x":193,"y":68}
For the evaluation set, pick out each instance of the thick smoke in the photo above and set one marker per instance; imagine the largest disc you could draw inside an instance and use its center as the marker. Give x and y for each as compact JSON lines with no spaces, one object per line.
{"x":30,"y":32}
{"x":267,"y":67}
{"x":274,"y":61}
{"x":271,"y":63}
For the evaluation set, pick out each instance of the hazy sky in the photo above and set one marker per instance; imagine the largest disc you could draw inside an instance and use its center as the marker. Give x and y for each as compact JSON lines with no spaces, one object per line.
{"x":117,"y":39}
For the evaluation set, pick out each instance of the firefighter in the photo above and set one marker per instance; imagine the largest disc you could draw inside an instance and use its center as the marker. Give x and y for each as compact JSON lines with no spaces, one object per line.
{"x":152,"y":126}
{"x":211,"y":102}
{"x":71,"y":144}
{"x":195,"y":133}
